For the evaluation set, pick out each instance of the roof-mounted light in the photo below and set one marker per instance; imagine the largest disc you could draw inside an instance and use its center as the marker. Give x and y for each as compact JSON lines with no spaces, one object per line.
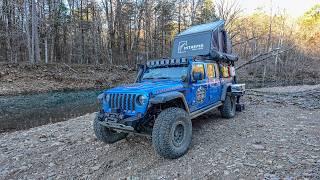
{"x":166,"y":62}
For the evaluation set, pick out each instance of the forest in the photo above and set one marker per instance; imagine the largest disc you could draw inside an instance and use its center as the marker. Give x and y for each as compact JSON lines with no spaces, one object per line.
{"x":127,"y":32}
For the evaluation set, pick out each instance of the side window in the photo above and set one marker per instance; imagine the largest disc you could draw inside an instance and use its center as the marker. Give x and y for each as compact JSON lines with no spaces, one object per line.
{"x":210,"y":71}
{"x":216,"y":67}
{"x":198,"y":68}
{"x":224,"y":71}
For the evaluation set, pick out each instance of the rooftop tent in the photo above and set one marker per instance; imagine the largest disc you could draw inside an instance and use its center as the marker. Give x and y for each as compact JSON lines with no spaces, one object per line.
{"x":208,"y":40}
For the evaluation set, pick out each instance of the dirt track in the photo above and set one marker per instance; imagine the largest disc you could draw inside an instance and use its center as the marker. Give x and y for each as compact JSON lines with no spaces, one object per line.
{"x":274,"y":137}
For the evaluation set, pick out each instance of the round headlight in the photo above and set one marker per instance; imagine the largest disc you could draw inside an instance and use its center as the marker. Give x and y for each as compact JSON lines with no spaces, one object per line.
{"x":100,"y":97}
{"x":141,"y":99}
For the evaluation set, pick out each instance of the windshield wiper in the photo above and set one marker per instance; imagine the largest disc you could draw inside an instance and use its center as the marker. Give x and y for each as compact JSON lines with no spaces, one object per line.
{"x":148,"y":78}
{"x":163,"y":78}
{"x":156,"y":78}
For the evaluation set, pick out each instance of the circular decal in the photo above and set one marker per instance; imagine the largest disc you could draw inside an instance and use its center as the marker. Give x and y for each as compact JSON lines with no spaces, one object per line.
{"x":201,"y":94}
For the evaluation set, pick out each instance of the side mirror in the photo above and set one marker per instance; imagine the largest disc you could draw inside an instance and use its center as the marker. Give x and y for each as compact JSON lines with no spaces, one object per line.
{"x":184,"y":78}
{"x":139,"y":66}
{"x":197,"y":76}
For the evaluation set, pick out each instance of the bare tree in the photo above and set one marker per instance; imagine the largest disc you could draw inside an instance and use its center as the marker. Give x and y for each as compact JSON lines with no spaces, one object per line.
{"x":26,"y":26}
{"x":229,"y":11}
{"x":35,"y":52}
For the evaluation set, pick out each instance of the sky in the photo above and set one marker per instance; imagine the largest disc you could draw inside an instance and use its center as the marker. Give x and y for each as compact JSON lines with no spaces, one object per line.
{"x":294,"y":8}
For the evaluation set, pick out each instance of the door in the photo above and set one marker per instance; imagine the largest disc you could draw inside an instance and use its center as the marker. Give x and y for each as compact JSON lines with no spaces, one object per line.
{"x":199,"y":88}
{"x":214,"y":86}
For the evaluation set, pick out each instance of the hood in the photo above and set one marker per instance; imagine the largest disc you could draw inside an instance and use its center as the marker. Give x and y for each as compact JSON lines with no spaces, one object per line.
{"x":153,"y":87}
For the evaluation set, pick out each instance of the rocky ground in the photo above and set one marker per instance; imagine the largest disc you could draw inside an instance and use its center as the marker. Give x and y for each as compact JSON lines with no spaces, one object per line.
{"x":25,"y":78}
{"x":277,"y":136}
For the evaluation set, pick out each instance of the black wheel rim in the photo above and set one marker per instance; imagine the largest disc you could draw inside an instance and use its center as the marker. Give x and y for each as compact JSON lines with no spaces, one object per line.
{"x":178,"y":134}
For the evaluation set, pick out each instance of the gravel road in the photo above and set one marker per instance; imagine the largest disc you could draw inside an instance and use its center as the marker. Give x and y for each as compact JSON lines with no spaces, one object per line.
{"x":273,"y":138}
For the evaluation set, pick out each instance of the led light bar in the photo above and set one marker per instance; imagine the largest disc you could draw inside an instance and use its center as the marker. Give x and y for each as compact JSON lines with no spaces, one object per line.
{"x":166,"y":62}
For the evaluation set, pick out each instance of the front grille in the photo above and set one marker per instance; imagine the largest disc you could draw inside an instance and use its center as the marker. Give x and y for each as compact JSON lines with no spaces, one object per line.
{"x":122,"y":101}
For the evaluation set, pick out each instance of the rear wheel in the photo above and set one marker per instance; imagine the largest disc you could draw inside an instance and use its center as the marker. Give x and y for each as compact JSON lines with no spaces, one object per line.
{"x":228,"y":109}
{"x":172,"y":133}
{"x":105,"y":134}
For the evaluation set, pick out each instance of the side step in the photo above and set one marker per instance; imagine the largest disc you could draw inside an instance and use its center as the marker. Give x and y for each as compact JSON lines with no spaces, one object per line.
{"x":204,"y":110}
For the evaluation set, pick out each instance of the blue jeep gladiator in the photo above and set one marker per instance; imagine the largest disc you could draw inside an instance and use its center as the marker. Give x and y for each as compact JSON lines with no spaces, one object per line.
{"x":168,"y":93}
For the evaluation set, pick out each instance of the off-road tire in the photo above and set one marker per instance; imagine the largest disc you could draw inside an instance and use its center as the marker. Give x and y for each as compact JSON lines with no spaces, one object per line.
{"x":228,"y":109}
{"x":167,"y":130}
{"x":105,"y":134}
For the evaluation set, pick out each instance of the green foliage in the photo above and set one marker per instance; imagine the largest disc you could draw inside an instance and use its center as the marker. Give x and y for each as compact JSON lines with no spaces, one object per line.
{"x":165,"y":13}
{"x":309,"y":25}
{"x":311,"y":18}
{"x":206,"y":13}
{"x":63,"y":14}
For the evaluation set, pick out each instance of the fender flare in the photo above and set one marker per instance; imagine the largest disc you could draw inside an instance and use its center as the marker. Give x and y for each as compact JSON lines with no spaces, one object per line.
{"x":168,"y":96}
{"x":225,"y":90}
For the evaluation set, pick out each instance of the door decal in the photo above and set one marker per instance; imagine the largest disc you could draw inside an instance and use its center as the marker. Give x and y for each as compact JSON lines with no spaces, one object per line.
{"x":201,"y":94}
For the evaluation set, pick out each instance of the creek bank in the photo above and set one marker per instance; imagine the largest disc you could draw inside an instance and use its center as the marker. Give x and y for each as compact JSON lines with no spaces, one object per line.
{"x":17,"y":79}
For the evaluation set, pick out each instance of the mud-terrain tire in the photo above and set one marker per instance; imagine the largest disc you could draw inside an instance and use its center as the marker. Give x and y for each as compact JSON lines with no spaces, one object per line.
{"x":228,"y":109}
{"x":105,"y":134}
{"x":172,"y":133}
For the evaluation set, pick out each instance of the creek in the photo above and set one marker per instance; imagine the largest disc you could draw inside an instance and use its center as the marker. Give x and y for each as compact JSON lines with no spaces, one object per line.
{"x":26,"y":111}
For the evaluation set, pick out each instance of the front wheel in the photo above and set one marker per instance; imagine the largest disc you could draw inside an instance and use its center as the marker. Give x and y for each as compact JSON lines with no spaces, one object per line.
{"x":105,"y":134}
{"x":228,"y":109}
{"x":172,"y":133}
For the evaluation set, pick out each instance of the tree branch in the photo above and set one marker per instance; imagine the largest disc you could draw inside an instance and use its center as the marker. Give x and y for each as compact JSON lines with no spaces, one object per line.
{"x":254,"y":59}
{"x":241,"y":42}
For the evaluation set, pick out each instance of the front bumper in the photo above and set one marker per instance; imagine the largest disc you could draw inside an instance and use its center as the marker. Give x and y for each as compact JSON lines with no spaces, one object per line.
{"x":118,"y":126}
{"x":117,"y":121}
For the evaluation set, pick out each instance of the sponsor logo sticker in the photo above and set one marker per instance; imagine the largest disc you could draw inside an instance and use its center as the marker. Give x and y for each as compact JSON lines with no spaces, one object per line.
{"x":183,"y":47}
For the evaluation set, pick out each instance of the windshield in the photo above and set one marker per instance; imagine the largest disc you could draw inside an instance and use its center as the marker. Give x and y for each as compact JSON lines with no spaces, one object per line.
{"x":165,"y":73}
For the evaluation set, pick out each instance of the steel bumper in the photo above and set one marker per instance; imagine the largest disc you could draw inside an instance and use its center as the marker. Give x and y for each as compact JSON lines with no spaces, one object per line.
{"x":116,"y":126}
{"x":116,"y":121}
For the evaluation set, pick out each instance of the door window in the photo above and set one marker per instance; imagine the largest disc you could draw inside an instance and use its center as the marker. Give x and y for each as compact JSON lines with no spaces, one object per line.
{"x":225,"y":71}
{"x":210,"y":71}
{"x":198,"y":68}
{"x":216,"y":70}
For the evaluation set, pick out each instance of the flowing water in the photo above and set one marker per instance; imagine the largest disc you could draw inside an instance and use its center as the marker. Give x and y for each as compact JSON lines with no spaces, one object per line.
{"x":26,"y":111}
